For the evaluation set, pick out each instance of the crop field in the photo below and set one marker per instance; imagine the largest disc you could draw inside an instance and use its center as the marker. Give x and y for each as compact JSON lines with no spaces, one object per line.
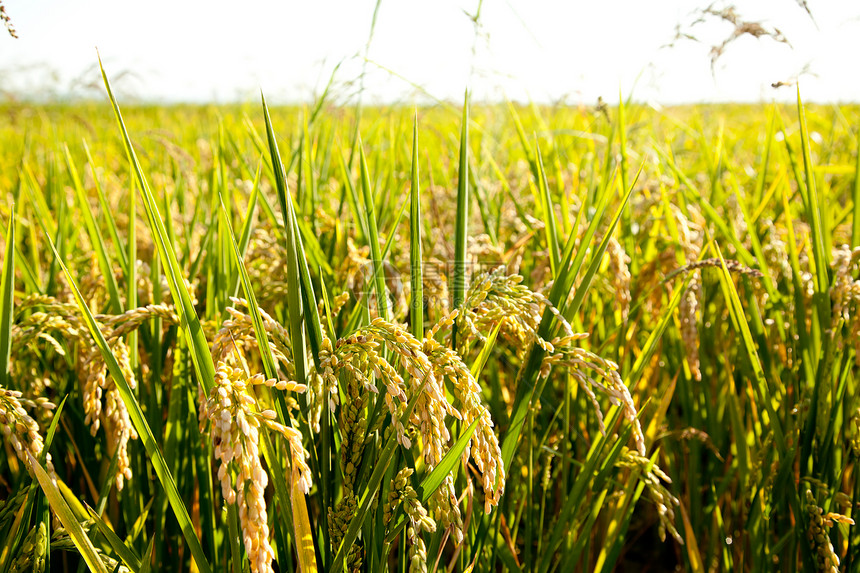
{"x":463,"y":337}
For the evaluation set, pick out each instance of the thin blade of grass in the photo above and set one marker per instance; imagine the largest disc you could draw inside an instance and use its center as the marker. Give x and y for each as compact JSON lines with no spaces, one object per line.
{"x":761,"y":385}
{"x":312,"y":318}
{"x":461,"y":231}
{"x":416,"y":309}
{"x":131,"y":276}
{"x":373,"y":238}
{"x":481,"y":360}
{"x":761,"y":181}
{"x":597,"y":257}
{"x":269,"y":367}
{"x":106,"y":213}
{"x":45,"y":218}
{"x":548,"y":213}
{"x":7,"y":291}
{"x":123,"y":551}
{"x":294,"y":298}
{"x":31,"y":281}
{"x":146,"y":566}
{"x":201,"y":358}
{"x":463,"y":199}
{"x":307,"y":557}
{"x":693,"y":553}
{"x":248,"y":224}
{"x":95,"y":235}
{"x":814,"y":217}
{"x":64,"y":513}
{"x":521,"y":135}
{"x":352,"y":198}
{"x":434,"y":479}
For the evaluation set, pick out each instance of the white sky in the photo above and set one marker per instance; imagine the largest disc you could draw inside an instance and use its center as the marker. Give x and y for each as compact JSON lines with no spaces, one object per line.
{"x":544,"y":50}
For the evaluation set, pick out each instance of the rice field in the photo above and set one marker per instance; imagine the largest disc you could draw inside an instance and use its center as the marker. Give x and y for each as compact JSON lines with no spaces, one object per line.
{"x":463,"y":337}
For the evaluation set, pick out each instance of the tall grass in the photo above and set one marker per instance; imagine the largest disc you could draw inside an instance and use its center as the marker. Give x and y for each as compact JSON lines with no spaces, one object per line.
{"x":493,"y":338}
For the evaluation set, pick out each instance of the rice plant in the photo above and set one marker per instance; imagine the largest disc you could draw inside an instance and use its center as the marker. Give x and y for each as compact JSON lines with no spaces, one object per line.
{"x":477,"y":338}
